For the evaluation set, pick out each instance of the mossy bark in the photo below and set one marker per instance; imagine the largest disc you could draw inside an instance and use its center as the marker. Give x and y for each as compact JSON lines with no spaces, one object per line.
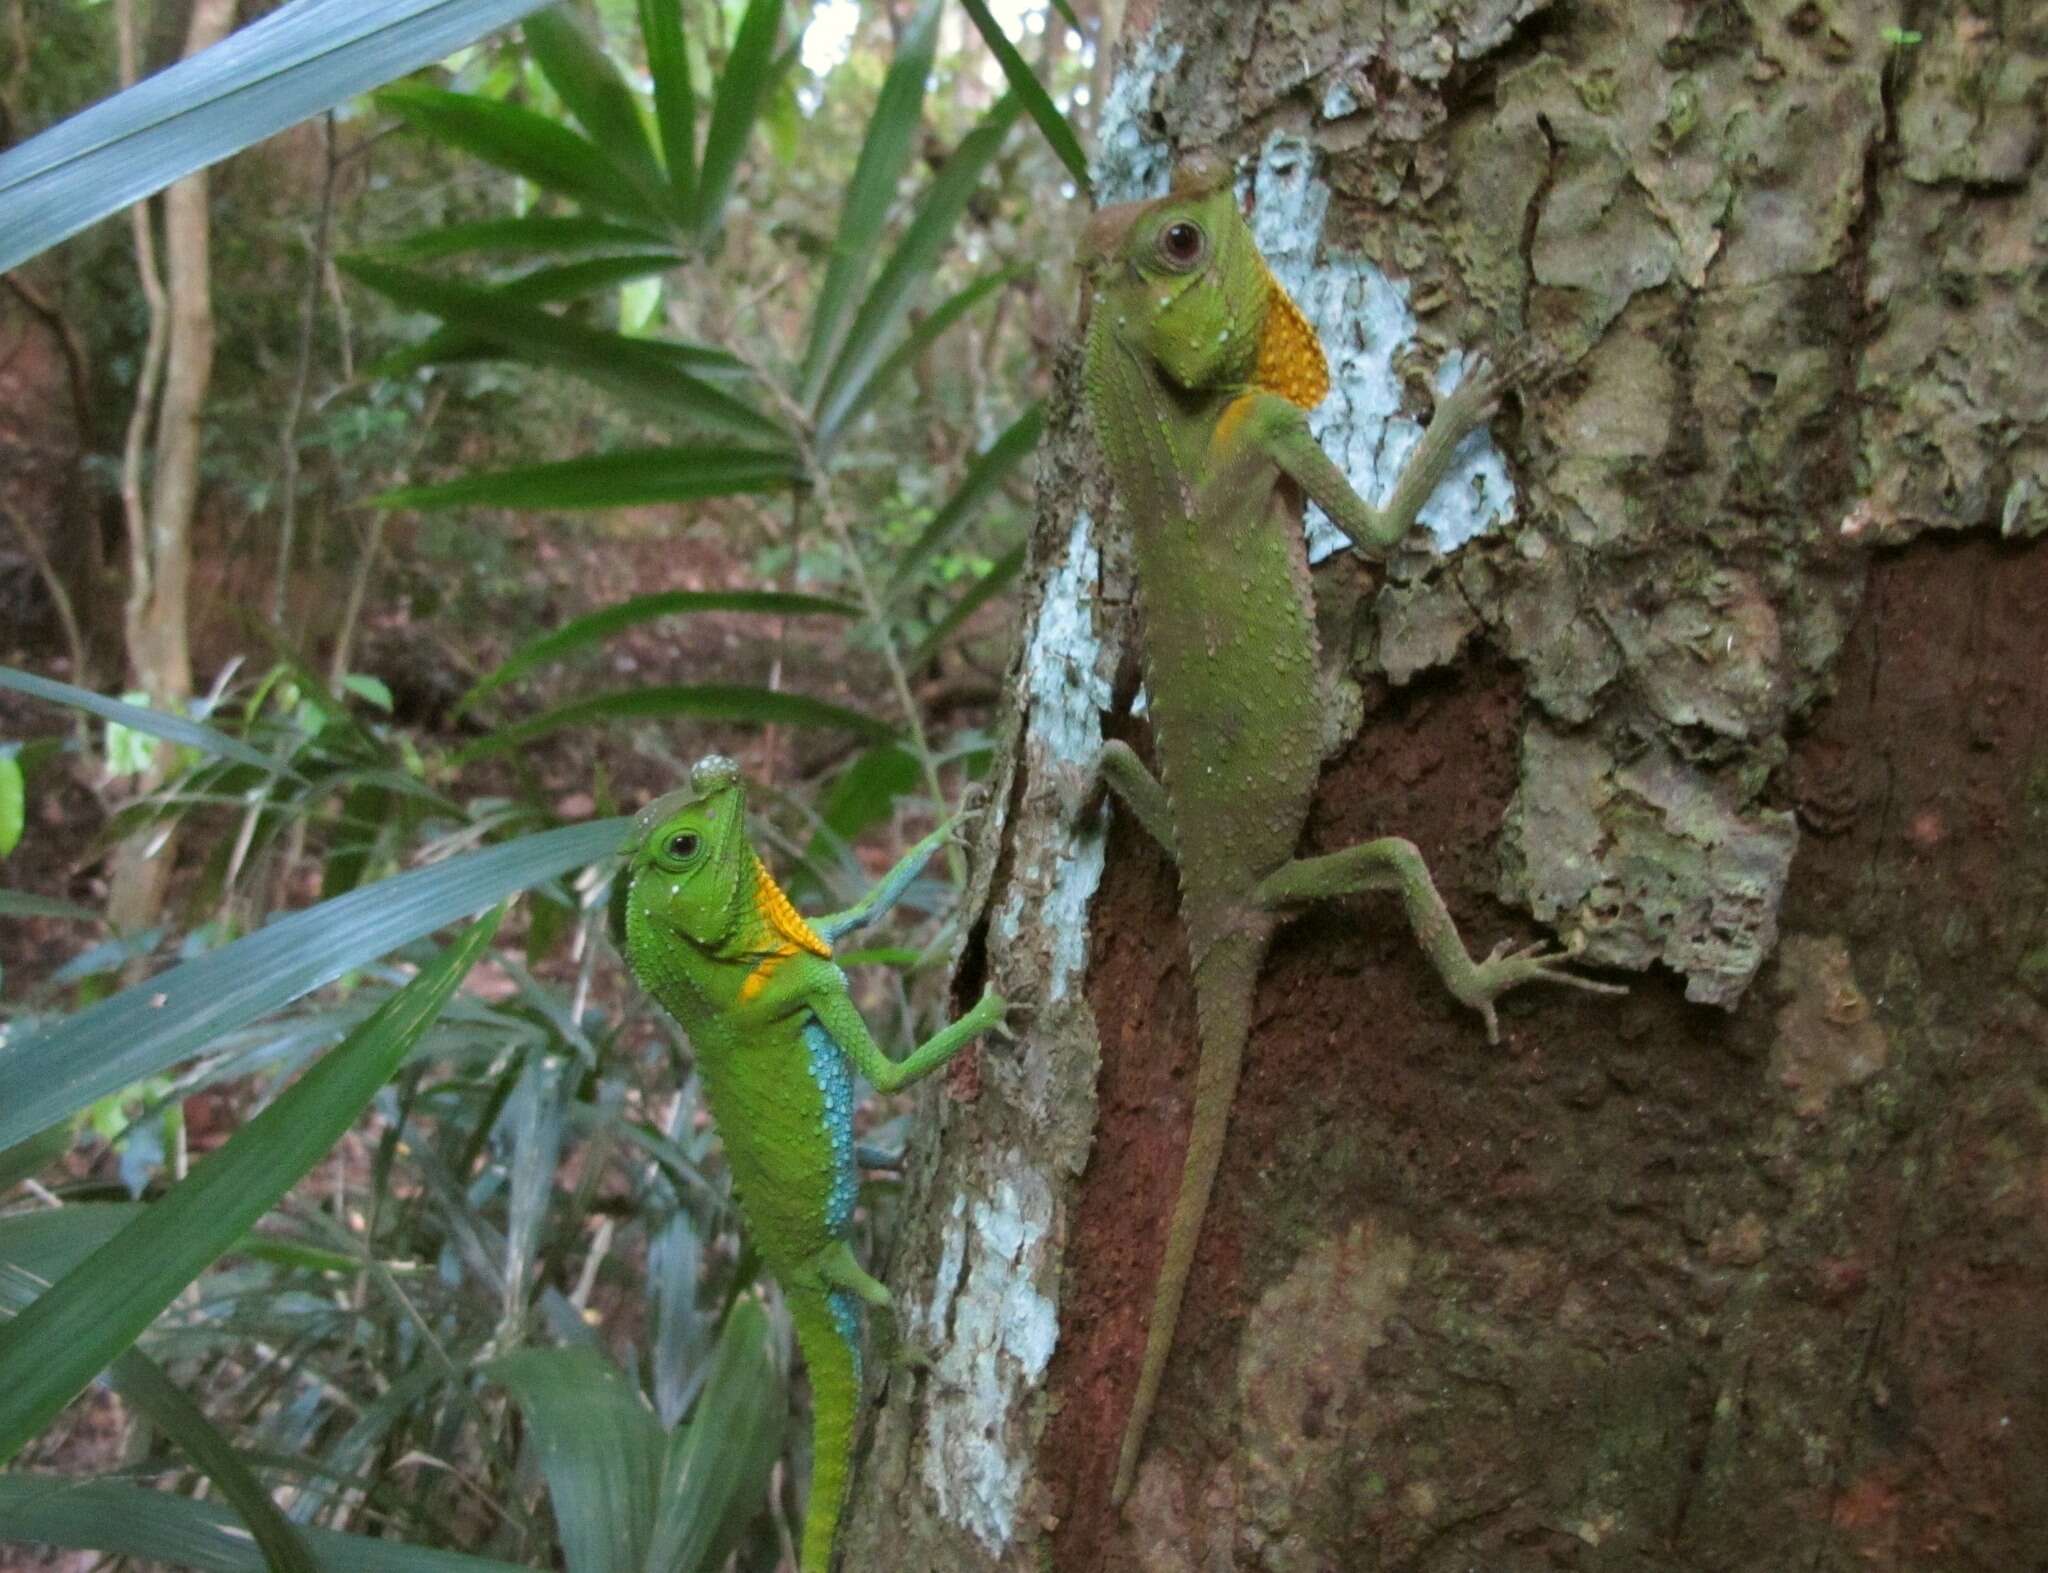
{"x":1743,"y":689}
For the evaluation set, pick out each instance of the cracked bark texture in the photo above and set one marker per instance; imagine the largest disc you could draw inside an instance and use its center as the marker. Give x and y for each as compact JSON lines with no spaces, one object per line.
{"x":1745,"y":693}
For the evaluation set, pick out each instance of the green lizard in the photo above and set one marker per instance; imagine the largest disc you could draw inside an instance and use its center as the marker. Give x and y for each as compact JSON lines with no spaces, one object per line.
{"x":1199,"y":372}
{"x":710,"y":935}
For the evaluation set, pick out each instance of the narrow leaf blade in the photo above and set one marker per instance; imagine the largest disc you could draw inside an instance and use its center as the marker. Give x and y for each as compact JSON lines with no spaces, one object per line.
{"x":137,"y":718}
{"x":706,"y":701}
{"x":913,"y":259}
{"x":892,"y":130}
{"x":1025,"y":84}
{"x":634,"y":368}
{"x":76,"y":1327}
{"x":610,"y":480}
{"x":525,"y":142}
{"x":750,"y":71}
{"x":602,"y":624}
{"x":304,"y":57}
{"x":171,"y":1017}
{"x":675,"y":100}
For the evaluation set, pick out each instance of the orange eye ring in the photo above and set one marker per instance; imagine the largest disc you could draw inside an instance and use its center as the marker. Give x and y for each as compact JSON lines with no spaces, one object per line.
{"x":1182,"y":245}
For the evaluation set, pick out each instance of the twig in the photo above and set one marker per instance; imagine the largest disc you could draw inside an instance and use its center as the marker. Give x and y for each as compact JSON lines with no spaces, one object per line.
{"x":302,"y":375}
{"x":60,"y":598}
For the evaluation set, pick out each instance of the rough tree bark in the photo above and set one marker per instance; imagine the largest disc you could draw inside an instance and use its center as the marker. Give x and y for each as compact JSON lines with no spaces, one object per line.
{"x":1734,"y":673}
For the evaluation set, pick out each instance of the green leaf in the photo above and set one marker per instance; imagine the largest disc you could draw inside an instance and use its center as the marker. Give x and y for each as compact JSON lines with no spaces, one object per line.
{"x":600,"y":1448}
{"x":867,"y":790}
{"x":156,"y":1527}
{"x":923,"y":243}
{"x":750,"y":70}
{"x":920,"y":338}
{"x":13,"y":803}
{"x":602,"y":624}
{"x":982,"y":478}
{"x":634,"y":368}
{"x":27,"y":1158}
{"x":1000,"y":573}
{"x":1066,"y":12}
{"x":525,"y":142}
{"x":611,"y":480}
{"x":675,"y":100}
{"x":536,"y":234}
{"x":146,"y":1386}
{"x":26,"y":904}
{"x":304,"y":57}
{"x":137,"y":718}
{"x":371,"y":690}
{"x":594,"y":92}
{"x":1024,"y":82}
{"x":707,"y":701}
{"x":715,"y":1476}
{"x":100,"y":1307}
{"x":891,"y":134}
{"x":545,"y":286}
{"x":143,"y":1030}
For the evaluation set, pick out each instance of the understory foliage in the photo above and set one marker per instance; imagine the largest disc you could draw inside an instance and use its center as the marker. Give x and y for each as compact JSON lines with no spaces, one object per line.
{"x":395,"y":1221}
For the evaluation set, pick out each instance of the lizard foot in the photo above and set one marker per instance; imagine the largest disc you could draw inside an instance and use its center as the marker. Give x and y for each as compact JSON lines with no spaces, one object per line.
{"x":1508,"y":968}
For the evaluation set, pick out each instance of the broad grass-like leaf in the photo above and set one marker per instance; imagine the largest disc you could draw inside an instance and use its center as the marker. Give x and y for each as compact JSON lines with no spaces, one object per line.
{"x":1000,"y":574}
{"x":536,"y":234}
{"x":594,"y":92}
{"x":600,"y":1448}
{"x":137,"y":718}
{"x":146,"y":1387}
{"x":77,"y":1326}
{"x":636,"y":369}
{"x":143,"y":1030}
{"x":923,"y":243}
{"x":119,"y":1519}
{"x":304,"y":57}
{"x":743,"y":85}
{"x":982,"y":478}
{"x":930,"y":328}
{"x":891,"y":134}
{"x":716,"y":1473}
{"x":525,"y":142}
{"x":1025,"y":84}
{"x":706,"y":701}
{"x":601,"y":625}
{"x":675,"y":100}
{"x":611,"y":480}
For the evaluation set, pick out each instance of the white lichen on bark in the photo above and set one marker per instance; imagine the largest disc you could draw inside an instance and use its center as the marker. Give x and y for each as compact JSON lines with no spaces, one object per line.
{"x":1363,"y":318}
{"x":995,"y":1331}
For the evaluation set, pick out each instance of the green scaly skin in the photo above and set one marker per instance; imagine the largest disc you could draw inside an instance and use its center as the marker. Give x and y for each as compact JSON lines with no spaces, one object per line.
{"x":710,"y":935}
{"x":1195,"y":361}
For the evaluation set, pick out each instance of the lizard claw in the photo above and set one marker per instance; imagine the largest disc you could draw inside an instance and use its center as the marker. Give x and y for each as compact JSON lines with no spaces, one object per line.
{"x":1508,"y":967}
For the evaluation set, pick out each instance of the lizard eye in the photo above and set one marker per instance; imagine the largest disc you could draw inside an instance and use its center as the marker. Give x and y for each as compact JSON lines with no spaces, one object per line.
{"x":683,"y":847}
{"x":1181,"y":244}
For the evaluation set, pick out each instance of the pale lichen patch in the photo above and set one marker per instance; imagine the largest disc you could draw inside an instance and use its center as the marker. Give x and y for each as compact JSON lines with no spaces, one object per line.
{"x":994,"y":1331}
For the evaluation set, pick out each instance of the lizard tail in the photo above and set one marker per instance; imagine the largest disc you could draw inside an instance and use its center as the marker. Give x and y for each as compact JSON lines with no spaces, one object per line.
{"x":828,"y":1332}
{"x":1224,"y":981}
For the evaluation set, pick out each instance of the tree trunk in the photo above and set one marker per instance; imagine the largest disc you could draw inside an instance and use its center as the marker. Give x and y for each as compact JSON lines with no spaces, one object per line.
{"x":160,"y":535}
{"x":1731,"y":670}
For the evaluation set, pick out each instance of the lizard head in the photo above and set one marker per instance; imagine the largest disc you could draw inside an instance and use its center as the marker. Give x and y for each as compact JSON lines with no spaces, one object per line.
{"x":1179,"y":280}
{"x":689,"y":868}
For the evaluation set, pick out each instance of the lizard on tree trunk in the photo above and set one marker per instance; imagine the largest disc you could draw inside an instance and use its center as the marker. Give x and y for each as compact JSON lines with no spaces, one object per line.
{"x":1199,"y":371}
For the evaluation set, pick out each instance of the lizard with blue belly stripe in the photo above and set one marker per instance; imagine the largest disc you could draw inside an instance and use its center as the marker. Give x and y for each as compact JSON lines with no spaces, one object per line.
{"x":777,"y":1040}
